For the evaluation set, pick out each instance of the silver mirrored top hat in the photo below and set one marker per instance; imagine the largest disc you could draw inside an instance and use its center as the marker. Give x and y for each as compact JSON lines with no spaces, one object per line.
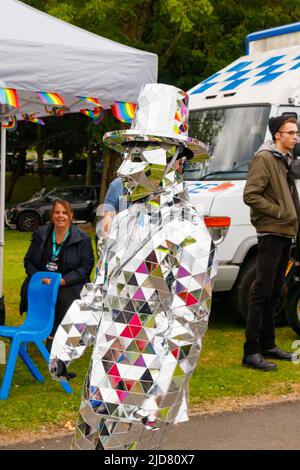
{"x":161,"y":116}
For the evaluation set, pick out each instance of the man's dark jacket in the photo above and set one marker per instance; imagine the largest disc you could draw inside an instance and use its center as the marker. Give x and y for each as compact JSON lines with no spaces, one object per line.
{"x":77,"y":259}
{"x":271,"y":192}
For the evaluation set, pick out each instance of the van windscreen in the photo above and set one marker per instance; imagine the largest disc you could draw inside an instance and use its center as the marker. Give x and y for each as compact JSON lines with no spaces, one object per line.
{"x":232,"y":134}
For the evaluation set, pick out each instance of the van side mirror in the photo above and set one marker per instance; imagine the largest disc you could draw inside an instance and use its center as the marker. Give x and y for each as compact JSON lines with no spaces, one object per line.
{"x":297,"y":151}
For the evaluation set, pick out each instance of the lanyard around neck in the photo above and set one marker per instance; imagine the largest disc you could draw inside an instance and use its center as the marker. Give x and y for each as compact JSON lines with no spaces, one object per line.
{"x":55,"y":249}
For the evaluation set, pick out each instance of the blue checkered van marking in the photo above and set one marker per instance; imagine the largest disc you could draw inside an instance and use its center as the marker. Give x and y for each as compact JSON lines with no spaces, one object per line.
{"x":249,"y":73}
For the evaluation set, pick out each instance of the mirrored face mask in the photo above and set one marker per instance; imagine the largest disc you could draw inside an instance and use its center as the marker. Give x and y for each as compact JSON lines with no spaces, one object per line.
{"x":144,"y":168}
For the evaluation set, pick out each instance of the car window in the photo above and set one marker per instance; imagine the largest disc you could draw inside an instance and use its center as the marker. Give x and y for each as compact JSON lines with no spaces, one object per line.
{"x":65,"y":194}
{"x":71,"y":194}
{"x":80,"y":194}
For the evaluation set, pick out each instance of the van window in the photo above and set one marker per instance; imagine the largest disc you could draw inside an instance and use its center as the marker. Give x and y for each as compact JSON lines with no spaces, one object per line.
{"x":232,"y":134}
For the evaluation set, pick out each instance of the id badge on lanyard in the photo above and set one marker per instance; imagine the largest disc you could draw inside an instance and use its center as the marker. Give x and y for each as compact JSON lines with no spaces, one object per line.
{"x":52,"y":265}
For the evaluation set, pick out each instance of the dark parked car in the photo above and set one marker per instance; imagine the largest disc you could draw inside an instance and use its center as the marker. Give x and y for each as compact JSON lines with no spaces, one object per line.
{"x":31,"y":165}
{"x":51,"y":166}
{"x":27,"y":216}
{"x":11,"y":161}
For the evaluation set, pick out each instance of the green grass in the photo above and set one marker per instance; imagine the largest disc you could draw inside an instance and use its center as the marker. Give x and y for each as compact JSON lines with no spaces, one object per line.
{"x":218,"y":376}
{"x":32,"y":405}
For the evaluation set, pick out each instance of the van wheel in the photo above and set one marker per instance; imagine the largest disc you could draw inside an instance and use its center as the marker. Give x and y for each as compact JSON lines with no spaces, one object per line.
{"x":292,"y":310}
{"x":28,"y":221}
{"x":241,"y":292}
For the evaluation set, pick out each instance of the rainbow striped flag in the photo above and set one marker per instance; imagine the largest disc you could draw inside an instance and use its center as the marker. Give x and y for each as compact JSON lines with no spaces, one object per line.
{"x":32,"y":118}
{"x":9,"y":97}
{"x":123,"y":111}
{"x":96,"y":115}
{"x":55,"y":111}
{"x":53,"y":99}
{"x":89,"y":99}
{"x":11,"y":125}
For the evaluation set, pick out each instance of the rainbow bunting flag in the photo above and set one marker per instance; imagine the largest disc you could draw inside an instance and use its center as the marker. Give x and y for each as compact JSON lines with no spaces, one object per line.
{"x":96,"y":115}
{"x":122,"y":111}
{"x":53,"y":99}
{"x":11,"y":124}
{"x":55,"y":111}
{"x":32,"y":118}
{"x":9,"y":97}
{"x":94,"y":101}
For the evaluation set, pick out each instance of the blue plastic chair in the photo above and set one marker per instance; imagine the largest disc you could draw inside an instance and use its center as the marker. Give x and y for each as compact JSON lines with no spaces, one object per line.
{"x":36,"y":328}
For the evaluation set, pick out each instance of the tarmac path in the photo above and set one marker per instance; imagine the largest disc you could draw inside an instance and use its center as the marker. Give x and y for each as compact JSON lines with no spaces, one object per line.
{"x":274,"y":426}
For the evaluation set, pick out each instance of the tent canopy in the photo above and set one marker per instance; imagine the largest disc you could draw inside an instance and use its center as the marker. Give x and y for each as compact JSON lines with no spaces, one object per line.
{"x":41,"y":53}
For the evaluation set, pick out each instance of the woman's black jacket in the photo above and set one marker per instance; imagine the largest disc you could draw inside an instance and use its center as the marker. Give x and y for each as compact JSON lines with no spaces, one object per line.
{"x":77,"y":259}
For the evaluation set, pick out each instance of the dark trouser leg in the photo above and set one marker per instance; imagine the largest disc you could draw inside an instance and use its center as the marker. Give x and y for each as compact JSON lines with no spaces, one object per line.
{"x":267,"y":337}
{"x":66,"y":296}
{"x":272,"y":258}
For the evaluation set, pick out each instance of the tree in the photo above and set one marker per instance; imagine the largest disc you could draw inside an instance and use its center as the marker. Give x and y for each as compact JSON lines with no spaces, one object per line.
{"x":193,"y":38}
{"x":111,"y":159}
{"x":18,"y":142}
{"x":68,"y":134}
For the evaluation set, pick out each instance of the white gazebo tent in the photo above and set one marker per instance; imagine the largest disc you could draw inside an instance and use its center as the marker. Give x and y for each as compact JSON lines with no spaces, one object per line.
{"x":39,"y":53}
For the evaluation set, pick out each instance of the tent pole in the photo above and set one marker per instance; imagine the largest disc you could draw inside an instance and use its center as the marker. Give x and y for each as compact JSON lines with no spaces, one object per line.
{"x":2,"y":207}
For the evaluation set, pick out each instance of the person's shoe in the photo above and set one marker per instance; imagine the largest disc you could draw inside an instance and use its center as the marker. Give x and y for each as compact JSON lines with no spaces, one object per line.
{"x":277,"y":353}
{"x":149,"y":425}
{"x":256,"y":361}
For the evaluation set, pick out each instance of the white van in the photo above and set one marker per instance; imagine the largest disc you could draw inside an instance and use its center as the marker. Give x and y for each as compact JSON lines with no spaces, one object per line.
{"x":230,"y":111}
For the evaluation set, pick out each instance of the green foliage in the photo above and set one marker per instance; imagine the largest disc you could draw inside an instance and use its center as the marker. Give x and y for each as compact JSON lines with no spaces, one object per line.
{"x":193,"y":38}
{"x":186,"y":14}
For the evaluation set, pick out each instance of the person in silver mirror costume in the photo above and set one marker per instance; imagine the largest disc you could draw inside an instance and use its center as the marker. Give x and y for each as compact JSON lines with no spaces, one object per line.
{"x":148,"y":309}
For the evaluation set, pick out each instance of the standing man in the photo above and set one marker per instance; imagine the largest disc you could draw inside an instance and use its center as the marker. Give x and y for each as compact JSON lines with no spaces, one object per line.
{"x":271,"y":193}
{"x":113,"y":204}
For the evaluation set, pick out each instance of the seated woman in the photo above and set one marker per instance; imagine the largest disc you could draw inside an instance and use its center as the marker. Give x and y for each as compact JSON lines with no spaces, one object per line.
{"x":61,"y":247}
